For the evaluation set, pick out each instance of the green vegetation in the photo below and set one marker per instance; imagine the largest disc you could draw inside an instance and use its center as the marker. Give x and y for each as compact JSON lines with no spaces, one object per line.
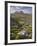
{"x":20,"y":24}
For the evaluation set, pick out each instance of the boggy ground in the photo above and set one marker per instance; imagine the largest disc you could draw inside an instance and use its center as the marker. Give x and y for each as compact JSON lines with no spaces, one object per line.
{"x":20,"y":27}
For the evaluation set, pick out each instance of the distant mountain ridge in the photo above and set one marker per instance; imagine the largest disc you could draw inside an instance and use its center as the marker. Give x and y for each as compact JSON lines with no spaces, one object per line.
{"x":20,"y":14}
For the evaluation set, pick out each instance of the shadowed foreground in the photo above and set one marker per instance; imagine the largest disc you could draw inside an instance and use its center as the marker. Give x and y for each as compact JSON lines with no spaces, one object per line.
{"x":20,"y":26}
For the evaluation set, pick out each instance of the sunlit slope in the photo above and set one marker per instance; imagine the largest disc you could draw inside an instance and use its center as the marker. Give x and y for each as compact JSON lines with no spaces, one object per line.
{"x":20,"y":22}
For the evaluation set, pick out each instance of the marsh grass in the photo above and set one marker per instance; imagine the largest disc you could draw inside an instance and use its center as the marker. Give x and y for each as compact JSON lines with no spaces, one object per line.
{"x":21,"y":23}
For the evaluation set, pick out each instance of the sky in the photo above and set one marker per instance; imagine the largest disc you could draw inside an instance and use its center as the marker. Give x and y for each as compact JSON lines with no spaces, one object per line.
{"x":24,"y":9}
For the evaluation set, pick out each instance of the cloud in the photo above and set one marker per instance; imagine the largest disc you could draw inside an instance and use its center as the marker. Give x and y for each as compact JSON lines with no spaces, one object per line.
{"x":24,"y":9}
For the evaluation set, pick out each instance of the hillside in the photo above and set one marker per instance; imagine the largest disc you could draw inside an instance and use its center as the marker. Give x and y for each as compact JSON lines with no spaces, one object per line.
{"x":20,"y":22}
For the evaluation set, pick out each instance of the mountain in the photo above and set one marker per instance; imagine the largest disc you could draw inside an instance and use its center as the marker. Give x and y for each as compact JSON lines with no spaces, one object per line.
{"x":20,"y":14}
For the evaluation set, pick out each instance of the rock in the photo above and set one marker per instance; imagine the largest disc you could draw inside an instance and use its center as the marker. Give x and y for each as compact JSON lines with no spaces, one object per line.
{"x":24,"y":33}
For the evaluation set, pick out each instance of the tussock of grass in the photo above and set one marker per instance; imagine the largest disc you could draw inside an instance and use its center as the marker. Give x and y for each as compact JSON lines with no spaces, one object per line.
{"x":21,"y":24}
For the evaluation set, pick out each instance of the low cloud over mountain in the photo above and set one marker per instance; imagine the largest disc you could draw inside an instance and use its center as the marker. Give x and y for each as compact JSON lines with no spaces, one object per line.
{"x":27,"y":10}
